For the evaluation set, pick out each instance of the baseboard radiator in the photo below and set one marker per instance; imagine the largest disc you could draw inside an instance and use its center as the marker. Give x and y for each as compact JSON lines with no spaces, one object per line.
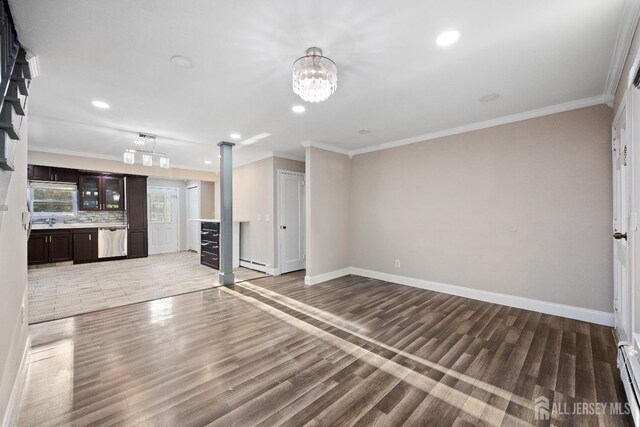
{"x":629,"y":366}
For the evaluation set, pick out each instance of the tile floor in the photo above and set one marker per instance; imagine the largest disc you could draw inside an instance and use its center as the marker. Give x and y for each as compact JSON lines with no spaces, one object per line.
{"x":61,"y":291}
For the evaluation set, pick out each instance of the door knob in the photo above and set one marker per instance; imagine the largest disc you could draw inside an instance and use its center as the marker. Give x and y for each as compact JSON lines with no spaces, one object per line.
{"x":619,"y":236}
{"x":284,"y":227}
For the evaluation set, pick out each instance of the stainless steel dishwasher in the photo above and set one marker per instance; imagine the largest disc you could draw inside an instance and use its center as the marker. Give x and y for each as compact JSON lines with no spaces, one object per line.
{"x":112,"y":242}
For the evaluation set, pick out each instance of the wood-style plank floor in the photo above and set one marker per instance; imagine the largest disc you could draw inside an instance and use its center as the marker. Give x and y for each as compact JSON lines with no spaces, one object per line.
{"x":352,"y":351}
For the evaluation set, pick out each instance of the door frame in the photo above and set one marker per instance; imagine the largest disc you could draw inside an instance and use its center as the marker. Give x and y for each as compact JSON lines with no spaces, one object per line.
{"x":177,"y":190}
{"x":279,"y":207}
{"x":198,"y":198}
{"x":623,"y":298}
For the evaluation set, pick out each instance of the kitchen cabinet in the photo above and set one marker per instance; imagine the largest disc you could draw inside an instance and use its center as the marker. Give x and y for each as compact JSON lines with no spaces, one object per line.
{"x":85,"y":245}
{"x":210,"y":244}
{"x":100,"y":192}
{"x":46,"y":173}
{"x":47,"y":246}
{"x":137,"y":239}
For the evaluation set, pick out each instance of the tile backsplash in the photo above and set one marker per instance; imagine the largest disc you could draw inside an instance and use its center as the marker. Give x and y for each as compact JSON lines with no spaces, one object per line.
{"x":102,"y":216}
{"x":84,"y":217}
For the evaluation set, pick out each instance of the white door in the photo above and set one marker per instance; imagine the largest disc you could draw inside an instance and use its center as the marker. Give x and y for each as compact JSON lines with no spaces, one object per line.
{"x":193,"y":212}
{"x":163,"y":220}
{"x":622,"y":218}
{"x":291,"y":221}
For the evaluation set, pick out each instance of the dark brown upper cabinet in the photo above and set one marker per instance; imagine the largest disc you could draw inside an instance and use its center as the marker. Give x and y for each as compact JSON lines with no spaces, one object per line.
{"x":100,"y":192}
{"x":47,"y":173}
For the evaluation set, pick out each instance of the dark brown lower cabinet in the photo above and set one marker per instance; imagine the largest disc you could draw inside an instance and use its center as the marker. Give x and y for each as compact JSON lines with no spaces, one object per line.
{"x":49,"y":246}
{"x":209,"y":244}
{"x":85,"y":245}
{"x":37,"y":248}
{"x":137,"y":244}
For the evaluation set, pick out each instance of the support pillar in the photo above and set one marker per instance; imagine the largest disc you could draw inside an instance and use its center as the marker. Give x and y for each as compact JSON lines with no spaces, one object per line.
{"x":226,"y":214}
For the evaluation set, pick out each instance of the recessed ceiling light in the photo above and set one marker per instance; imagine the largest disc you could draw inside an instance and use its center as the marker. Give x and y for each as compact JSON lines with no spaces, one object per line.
{"x":364,"y":131}
{"x":490,"y":97}
{"x":100,"y":104}
{"x":448,"y":38}
{"x":235,"y":136}
{"x":138,"y":142}
{"x":207,"y":162}
{"x":182,"y":61}
{"x":298,"y":109}
{"x":219,"y":156}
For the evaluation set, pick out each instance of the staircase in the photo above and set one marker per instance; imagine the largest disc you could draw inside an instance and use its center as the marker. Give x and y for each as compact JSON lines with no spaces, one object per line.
{"x":15,"y":77}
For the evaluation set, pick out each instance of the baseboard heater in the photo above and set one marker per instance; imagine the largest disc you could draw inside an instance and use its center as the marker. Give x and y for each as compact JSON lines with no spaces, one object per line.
{"x":253,"y":265}
{"x":630,"y":374}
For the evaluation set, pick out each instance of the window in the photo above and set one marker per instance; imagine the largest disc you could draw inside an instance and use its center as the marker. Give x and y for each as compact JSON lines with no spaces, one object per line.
{"x":53,"y":199}
{"x":160,"y":208}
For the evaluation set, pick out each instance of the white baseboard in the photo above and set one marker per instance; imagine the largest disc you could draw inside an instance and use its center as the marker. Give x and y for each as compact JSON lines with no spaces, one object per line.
{"x":313,"y":280}
{"x":571,"y":312}
{"x":11,"y":413}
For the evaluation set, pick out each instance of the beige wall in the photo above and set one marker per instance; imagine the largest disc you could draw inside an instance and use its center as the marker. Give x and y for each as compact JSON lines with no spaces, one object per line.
{"x":253,"y":202}
{"x":328,"y":178}
{"x":13,"y":276}
{"x":522,"y":209}
{"x":207,"y":199}
{"x":85,"y":163}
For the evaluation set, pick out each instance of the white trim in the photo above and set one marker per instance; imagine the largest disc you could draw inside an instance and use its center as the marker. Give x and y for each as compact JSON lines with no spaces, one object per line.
{"x":326,"y":147}
{"x":11,"y":412}
{"x":559,"y":108}
{"x":572,"y":312}
{"x":289,"y":156}
{"x":628,"y":23}
{"x":562,"y":310}
{"x":314,"y":280}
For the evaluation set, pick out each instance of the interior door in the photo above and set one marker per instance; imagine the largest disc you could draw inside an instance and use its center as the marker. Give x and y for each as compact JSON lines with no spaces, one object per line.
{"x":193,"y":212}
{"x":622,"y":219}
{"x":291,"y":221}
{"x":163,"y":220}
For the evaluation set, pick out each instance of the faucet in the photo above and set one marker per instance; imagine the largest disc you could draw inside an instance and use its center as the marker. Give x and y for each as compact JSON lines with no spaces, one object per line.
{"x":51,"y":221}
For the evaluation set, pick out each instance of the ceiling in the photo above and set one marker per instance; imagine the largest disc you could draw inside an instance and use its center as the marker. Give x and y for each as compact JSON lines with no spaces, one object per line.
{"x":393,"y":79}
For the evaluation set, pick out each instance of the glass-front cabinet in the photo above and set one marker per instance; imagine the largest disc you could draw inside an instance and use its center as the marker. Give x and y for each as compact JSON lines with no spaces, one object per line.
{"x":113,"y":193}
{"x":100,"y":193}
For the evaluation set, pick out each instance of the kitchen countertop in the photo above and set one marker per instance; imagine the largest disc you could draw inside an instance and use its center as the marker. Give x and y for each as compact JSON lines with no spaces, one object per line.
{"x":63,"y":226}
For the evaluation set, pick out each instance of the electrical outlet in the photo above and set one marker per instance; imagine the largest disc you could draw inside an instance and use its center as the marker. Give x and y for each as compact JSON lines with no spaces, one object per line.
{"x":397,"y":263}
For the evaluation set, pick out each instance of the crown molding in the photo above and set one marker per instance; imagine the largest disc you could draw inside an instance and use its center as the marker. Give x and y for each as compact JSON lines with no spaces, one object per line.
{"x":559,"y":108}
{"x":628,"y":24}
{"x":326,"y":147}
{"x":288,"y":156}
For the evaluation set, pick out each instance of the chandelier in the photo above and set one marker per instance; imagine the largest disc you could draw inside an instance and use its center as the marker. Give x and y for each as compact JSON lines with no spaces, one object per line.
{"x":315,"y":77}
{"x":147,"y":155}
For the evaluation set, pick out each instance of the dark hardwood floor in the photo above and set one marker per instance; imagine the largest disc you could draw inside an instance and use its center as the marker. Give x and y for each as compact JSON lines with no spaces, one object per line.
{"x":352,"y":351}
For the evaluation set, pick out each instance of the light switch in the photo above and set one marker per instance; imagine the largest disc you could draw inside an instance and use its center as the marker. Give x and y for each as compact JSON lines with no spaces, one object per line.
{"x":267,"y":217}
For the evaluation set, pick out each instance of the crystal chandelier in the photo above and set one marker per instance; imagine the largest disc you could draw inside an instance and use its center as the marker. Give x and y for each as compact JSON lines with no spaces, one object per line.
{"x":147,"y":155}
{"x":315,"y":77}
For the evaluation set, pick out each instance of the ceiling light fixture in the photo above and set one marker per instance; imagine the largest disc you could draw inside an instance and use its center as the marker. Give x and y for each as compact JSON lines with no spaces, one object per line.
{"x":448,"y":38}
{"x":235,"y":136}
{"x":129,"y":156}
{"x":207,"y":162}
{"x":315,"y":77}
{"x":100,"y":104}
{"x":298,"y":109}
